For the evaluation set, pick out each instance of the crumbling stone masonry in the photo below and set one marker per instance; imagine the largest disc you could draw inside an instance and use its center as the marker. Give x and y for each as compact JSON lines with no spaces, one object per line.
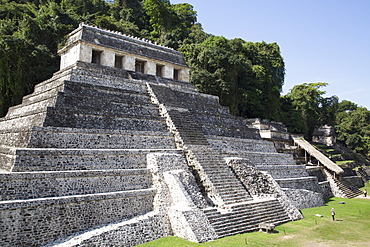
{"x":118,"y":148}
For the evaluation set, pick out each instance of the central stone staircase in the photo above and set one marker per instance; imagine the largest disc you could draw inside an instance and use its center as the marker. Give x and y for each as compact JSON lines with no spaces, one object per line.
{"x":234,"y":209}
{"x":246,"y":217}
{"x":215,"y":176}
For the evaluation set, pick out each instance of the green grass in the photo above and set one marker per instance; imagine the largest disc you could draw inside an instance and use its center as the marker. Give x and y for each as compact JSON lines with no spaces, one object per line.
{"x":336,"y":155}
{"x":343,"y":162}
{"x":351,"y":228}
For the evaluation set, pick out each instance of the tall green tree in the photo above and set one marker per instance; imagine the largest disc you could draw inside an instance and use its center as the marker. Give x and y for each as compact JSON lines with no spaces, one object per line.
{"x":29,"y":38}
{"x":307,"y":99}
{"x":230,"y":69}
{"x":353,"y":127}
{"x":266,"y":79}
{"x":161,"y":16}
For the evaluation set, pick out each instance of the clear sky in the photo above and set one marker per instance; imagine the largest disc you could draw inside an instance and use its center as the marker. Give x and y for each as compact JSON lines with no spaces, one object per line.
{"x":320,"y":40}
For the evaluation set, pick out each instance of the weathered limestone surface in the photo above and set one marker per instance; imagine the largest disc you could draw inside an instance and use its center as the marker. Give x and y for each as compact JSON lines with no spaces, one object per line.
{"x":280,"y":166}
{"x":261,"y":185}
{"x":105,"y":156}
{"x":145,"y":228}
{"x":37,"y":222}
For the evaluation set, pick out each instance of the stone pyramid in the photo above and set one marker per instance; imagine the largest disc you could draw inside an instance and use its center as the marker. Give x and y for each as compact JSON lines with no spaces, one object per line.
{"x":118,"y":148}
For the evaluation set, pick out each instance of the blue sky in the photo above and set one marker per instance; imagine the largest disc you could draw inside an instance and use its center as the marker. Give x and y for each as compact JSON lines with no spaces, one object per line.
{"x":320,"y":40}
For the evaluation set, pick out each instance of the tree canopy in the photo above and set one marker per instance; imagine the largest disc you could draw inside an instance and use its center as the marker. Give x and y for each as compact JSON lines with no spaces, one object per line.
{"x":351,"y":122}
{"x":247,"y":76}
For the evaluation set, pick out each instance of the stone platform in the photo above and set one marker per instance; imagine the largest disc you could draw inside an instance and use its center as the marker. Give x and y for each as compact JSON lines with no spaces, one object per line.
{"x":101,"y":155}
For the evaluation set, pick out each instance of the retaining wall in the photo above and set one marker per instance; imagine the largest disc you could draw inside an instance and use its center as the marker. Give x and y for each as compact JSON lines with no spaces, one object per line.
{"x":39,"y":221}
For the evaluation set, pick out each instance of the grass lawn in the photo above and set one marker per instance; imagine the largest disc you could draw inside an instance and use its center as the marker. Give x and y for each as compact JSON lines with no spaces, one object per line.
{"x":343,"y":162}
{"x":351,"y":228}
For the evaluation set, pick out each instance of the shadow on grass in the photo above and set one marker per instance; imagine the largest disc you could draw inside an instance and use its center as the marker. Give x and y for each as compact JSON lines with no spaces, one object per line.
{"x":327,"y":200}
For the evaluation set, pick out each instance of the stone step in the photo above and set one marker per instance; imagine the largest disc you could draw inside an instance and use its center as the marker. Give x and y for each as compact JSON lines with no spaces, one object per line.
{"x":224,"y":181}
{"x":76,"y":119}
{"x":55,"y":82}
{"x":247,"y":211}
{"x":32,"y":185}
{"x":221,"y":143}
{"x":22,"y":123}
{"x":236,"y":132}
{"x":235,"y":197}
{"x":200,"y":102}
{"x":285,"y":171}
{"x":345,"y":187}
{"x":244,"y":229}
{"x":256,"y":218}
{"x":94,"y":75}
{"x":232,"y":191}
{"x":31,"y":107}
{"x":52,"y":159}
{"x":305,"y":183}
{"x":54,"y":137}
{"x":109,"y":109}
{"x":246,"y":217}
{"x":116,"y":94}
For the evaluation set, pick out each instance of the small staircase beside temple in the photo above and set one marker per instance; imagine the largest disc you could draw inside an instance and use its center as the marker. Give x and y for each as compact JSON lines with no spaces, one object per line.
{"x":348,"y":189}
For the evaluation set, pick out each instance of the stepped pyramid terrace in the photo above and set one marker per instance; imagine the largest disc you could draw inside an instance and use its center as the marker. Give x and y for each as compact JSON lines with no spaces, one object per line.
{"x":118,"y":148}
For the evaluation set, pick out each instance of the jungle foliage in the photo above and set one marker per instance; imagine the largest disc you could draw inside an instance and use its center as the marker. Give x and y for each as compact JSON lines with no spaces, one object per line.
{"x":247,"y":76}
{"x":351,"y":122}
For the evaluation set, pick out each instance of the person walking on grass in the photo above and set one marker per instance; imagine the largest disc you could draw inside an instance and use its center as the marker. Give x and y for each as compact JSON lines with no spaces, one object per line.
{"x":365,"y":193}
{"x":332,"y":214}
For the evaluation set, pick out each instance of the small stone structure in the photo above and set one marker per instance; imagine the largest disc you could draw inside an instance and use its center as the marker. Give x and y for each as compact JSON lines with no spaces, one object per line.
{"x":325,"y":134}
{"x":269,"y":129}
{"x":118,"y":148}
{"x":333,"y":179}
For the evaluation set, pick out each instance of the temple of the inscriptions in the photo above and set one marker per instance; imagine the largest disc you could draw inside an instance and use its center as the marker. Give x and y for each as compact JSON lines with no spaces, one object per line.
{"x":118,"y":148}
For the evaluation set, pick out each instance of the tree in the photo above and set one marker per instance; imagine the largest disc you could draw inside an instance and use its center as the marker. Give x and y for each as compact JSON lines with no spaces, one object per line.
{"x":161,"y":16}
{"x":246,"y":76}
{"x":353,"y":127}
{"x":29,"y":38}
{"x":307,"y":99}
{"x":265,"y":79}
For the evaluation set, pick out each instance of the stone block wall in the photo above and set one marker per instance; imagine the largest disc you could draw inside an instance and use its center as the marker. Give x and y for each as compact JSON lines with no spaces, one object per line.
{"x":304,"y":198}
{"x":326,"y":189}
{"x":51,"y":137}
{"x":285,"y":171}
{"x":81,"y":159}
{"x":138,"y":230}
{"x":355,"y":180}
{"x":31,"y":185}
{"x":305,"y":183}
{"x":268,"y":159}
{"x":40,"y":221}
{"x":239,"y":144}
{"x":261,"y":185}
{"x":317,"y":172}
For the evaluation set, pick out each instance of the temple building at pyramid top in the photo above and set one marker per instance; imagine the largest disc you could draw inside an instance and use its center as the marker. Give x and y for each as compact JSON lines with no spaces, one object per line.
{"x":112,"y":49}
{"x":118,"y":148}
